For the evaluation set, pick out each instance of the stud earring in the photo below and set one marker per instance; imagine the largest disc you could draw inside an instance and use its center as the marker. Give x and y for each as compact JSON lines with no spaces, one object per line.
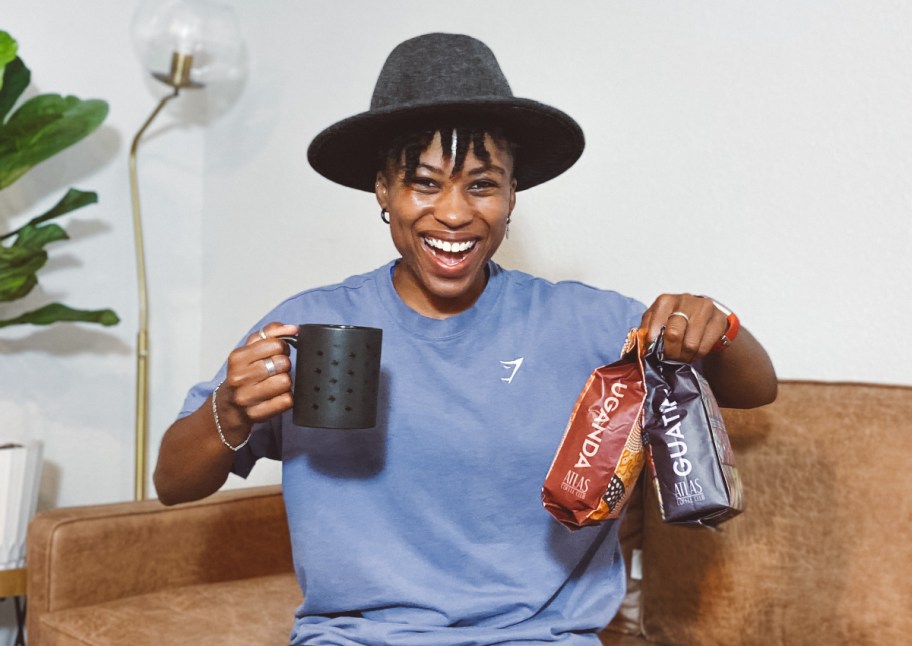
{"x":385,"y":216}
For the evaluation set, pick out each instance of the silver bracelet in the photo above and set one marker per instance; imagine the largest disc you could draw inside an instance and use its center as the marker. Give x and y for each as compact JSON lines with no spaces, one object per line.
{"x":218,"y":426}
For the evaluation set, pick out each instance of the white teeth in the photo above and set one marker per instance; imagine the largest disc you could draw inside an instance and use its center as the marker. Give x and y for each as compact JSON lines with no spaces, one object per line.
{"x":450,"y":247}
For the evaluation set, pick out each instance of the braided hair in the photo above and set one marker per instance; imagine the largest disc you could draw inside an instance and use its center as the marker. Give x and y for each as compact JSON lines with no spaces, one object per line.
{"x":406,"y":148}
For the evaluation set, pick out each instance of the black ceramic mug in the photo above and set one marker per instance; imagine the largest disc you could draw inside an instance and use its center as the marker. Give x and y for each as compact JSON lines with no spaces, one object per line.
{"x":337,"y":375}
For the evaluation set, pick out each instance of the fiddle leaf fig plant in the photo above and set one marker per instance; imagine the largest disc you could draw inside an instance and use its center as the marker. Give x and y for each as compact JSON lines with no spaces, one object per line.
{"x":38,"y":129}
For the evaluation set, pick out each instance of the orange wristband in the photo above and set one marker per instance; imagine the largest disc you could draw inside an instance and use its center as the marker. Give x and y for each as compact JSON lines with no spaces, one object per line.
{"x":731,"y":330}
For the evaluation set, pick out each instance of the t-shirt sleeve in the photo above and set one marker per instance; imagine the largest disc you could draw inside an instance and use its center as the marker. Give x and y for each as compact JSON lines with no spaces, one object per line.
{"x":617,"y":314}
{"x":597,"y":319}
{"x":635,"y":310}
{"x":265,"y":442}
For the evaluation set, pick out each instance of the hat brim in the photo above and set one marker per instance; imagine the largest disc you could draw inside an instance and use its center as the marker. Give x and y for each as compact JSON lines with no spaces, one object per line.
{"x":548,"y":141}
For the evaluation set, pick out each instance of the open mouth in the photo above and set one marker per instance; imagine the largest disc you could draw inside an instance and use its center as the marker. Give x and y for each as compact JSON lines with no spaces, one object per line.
{"x":449,"y":253}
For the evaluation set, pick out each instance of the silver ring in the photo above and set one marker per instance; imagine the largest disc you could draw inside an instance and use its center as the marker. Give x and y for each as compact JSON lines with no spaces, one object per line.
{"x":262,"y":334}
{"x":270,"y":366}
{"x":681,"y":314}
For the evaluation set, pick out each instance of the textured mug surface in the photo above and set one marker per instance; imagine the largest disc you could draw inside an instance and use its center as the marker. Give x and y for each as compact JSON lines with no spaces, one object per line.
{"x":337,"y":376}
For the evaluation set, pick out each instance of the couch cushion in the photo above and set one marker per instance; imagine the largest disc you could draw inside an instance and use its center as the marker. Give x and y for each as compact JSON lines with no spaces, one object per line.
{"x":243,"y":613}
{"x":821,"y":554}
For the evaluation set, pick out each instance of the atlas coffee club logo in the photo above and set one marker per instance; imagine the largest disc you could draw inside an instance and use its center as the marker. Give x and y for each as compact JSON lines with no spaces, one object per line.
{"x":575,"y":482}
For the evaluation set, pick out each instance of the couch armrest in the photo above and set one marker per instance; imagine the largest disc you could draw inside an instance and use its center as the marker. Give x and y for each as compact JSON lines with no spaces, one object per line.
{"x":81,"y":556}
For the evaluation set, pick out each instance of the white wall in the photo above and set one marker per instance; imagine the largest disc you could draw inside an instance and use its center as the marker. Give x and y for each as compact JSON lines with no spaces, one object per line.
{"x":764,"y":148}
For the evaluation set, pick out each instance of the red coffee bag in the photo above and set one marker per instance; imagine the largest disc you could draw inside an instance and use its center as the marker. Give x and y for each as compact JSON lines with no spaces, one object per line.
{"x":601,"y":453}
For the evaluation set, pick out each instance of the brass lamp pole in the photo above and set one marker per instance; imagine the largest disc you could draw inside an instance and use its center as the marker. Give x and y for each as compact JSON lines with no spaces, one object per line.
{"x":178,"y":78}
{"x":209,"y":30}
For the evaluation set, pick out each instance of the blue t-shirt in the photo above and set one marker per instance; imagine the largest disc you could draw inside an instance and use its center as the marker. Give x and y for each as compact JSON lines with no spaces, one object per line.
{"x":429,"y":529}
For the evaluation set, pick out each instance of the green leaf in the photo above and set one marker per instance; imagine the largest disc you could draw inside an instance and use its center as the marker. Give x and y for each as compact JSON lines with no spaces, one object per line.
{"x":15,"y":79}
{"x":74,"y":199}
{"x":8,"y":50}
{"x":43,"y":126}
{"x":36,"y":237}
{"x":20,"y":263}
{"x":18,"y":266}
{"x":57,"y":312}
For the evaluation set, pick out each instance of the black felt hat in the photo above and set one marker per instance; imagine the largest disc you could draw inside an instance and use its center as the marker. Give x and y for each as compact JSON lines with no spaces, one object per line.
{"x":446,"y":79}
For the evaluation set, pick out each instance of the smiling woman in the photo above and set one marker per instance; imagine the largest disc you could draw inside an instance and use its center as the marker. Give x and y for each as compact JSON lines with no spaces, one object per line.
{"x":429,"y":529}
{"x":449,"y":194}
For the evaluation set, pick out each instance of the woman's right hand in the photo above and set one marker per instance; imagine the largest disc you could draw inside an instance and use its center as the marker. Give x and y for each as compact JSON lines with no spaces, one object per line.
{"x":258,"y":383}
{"x":192,"y":460}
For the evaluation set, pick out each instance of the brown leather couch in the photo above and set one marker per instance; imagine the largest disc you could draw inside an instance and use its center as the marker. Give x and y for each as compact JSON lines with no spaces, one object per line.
{"x":822,"y":555}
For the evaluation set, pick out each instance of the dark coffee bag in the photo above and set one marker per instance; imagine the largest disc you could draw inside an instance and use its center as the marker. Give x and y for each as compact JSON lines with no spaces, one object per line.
{"x":601,"y":453}
{"x":687,"y":445}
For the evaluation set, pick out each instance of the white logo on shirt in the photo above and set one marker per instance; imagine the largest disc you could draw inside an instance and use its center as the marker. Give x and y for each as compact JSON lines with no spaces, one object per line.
{"x":507,"y":365}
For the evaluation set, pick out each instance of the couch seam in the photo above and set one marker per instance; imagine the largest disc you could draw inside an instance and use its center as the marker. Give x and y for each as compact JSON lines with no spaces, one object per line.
{"x":848,"y":384}
{"x":82,"y":519}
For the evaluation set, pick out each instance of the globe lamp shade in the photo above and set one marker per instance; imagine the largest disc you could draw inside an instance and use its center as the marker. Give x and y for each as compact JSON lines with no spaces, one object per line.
{"x":187,"y":43}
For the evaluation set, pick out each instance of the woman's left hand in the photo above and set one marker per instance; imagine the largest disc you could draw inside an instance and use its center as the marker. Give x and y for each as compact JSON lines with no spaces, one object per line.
{"x":693,"y":325}
{"x":741,"y":377}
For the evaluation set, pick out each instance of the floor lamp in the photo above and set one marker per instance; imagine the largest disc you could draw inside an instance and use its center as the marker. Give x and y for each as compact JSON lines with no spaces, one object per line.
{"x":184,"y":44}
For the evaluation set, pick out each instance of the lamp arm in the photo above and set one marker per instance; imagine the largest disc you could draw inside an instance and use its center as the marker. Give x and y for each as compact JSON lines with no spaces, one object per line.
{"x":142,"y":347}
